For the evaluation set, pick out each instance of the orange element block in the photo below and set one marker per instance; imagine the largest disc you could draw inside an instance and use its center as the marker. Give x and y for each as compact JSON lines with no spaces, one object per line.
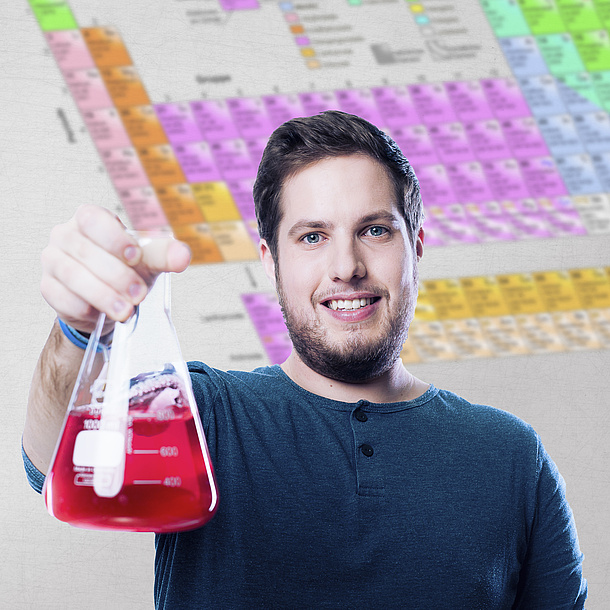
{"x":143,"y":125}
{"x":106,"y":47}
{"x":200,"y":241}
{"x":179,"y":204}
{"x":297,"y":29}
{"x":124,"y":86}
{"x":161,"y":165}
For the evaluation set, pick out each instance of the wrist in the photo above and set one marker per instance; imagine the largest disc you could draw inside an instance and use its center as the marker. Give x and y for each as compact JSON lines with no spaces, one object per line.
{"x":81,"y":339}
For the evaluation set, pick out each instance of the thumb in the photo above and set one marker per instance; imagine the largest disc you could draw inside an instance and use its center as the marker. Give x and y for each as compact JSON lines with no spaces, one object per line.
{"x":163,"y":255}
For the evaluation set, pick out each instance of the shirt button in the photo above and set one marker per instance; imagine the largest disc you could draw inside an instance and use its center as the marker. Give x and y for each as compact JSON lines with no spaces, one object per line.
{"x":367,"y":450}
{"x":360,"y":415}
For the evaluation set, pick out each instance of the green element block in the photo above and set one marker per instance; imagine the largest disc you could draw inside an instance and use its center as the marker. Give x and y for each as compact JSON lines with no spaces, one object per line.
{"x":53,"y":15}
{"x":601,"y":82}
{"x":583,"y":84}
{"x":355,"y":2}
{"x":603,"y":12}
{"x":506,"y":18}
{"x":594,"y":48}
{"x":542,"y":16}
{"x":579,"y":15}
{"x":560,"y":53}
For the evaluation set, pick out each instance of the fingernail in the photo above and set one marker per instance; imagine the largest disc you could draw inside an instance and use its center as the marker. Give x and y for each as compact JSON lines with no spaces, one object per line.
{"x":119,"y":306}
{"x":130,"y":253}
{"x":135,"y":290}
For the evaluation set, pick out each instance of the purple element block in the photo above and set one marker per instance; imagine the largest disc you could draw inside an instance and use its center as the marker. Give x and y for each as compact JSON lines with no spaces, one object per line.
{"x":302,"y":41}
{"x":490,"y":221}
{"x":541,"y":177}
{"x":124,"y":168}
{"x":239,"y":5}
{"x":487,"y":140}
{"x":455,"y":226}
{"x":451,"y":143}
{"x":69,"y":49}
{"x":395,"y":106}
{"x":250,"y":116}
{"x":282,"y":108}
{"x":505,"y":98}
{"x":578,"y":174}
{"x":255,"y":147}
{"x":233,"y":159}
{"x":523,"y":56}
{"x":415,"y":143}
{"x":178,"y":123}
{"x":143,"y":208}
{"x":528,"y":219}
{"x":469,"y":182}
{"x":315,"y":102}
{"x":542,"y":95}
{"x":241,"y":191}
{"x":434,"y":235}
{"x":106,"y":128}
{"x":432,"y":103}
{"x":360,"y":102}
{"x":196,"y":161}
{"x":524,"y":138}
{"x":265,"y":313}
{"x":88,"y":89}
{"x":468,"y":100}
{"x":435,"y":186}
{"x":504,"y":179}
{"x":214,"y":120}
{"x":563,"y":216}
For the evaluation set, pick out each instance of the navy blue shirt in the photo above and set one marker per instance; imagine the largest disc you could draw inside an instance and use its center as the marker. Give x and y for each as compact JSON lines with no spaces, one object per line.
{"x":430,"y":503}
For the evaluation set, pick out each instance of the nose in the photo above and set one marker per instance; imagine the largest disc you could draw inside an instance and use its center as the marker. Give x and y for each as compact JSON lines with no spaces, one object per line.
{"x":346,"y":261}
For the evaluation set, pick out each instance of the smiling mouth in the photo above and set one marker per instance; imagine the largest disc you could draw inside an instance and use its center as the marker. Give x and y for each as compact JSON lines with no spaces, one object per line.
{"x":349,"y":304}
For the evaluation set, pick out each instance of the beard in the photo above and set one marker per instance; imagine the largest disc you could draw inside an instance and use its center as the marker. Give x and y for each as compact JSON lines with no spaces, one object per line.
{"x":358,"y":358}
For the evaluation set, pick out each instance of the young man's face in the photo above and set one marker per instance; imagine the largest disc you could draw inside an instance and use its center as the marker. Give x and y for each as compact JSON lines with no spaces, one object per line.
{"x":347,"y":274}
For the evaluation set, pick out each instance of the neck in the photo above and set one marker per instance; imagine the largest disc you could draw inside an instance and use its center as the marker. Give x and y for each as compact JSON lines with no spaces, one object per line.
{"x":395,"y":385}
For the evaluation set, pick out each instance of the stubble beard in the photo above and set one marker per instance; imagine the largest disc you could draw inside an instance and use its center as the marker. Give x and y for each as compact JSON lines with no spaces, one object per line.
{"x":359,"y":358}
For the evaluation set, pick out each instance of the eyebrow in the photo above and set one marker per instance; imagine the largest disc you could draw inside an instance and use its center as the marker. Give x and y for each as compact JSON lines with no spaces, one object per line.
{"x":304,"y":224}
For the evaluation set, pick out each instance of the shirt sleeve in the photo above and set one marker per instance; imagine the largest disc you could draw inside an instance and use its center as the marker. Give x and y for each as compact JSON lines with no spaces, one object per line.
{"x":551,"y":576}
{"x":35,"y":477}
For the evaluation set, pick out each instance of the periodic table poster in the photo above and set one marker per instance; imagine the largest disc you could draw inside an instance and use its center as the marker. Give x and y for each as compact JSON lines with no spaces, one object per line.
{"x":160,"y":110}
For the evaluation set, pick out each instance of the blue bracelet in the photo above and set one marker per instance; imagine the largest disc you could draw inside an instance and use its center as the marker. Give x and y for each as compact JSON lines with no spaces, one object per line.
{"x":81,"y":340}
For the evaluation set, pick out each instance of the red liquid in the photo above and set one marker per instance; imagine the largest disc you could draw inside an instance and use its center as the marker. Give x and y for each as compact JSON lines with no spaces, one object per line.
{"x":166,"y":486}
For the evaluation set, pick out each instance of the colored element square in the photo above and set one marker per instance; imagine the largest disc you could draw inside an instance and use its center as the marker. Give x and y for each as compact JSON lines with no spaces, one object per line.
{"x":53,"y":15}
{"x":214,"y":120}
{"x":124,"y":86}
{"x":505,"y":18}
{"x":302,"y":40}
{"x":143,"y":208}
{"x":124,"y":168}
{"x":233,"y":241}
{"x":106,"y":47}
{"x":88,"y":89}
{"x":69,"y":50}
{"x":360,"y":102}
{"x":417,"y":8}
{"x":579,"y":15}
{"x":250,"y":116}
{"x":594,"y":48}
{"x":542,"y":16}
{"x":523,"y":56}
{"x":201,"y":242}
{"x":297,"y":29}
{"x":143,"y":126}
{"x":161,"y":165}
{"x":196,"y":161}
{"x":215,"y":201}
{"x":308,"y":52}
{"x":179,"y":205}
{"x":560,"y":53}
{"x":178,"y":123}
{"x":106,"y":128}
{"x":313,"y":64}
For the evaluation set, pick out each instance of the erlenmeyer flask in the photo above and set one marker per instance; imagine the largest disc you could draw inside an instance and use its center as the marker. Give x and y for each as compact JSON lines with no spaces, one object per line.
{"x":132,"y":453}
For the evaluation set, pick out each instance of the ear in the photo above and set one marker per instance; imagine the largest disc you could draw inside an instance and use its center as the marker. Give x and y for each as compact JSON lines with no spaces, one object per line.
{"x":267,"y":260}
{"x":419,"y":244}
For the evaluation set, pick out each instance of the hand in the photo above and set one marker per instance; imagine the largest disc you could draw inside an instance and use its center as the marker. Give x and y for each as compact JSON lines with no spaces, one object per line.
{"x":92,"y":265}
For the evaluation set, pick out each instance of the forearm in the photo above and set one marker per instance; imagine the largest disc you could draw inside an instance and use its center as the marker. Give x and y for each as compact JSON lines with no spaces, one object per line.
{"x":50,"y":392}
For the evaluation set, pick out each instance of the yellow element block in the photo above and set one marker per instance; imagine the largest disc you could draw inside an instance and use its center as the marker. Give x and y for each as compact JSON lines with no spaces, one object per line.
{"x":143,"y":126}
{"x":313,"y":64}
{"x":308,"y":52}
{"x":215,"y":201}
{"x":201,"y":242}
{"x":424,"y":309}
{"x":179,"y":205}
{"x":124,"y":86}
{"x":233,"y":241}
{"x":484,"y":297}
{"x":161,"y":165}
{"x":556,"y":291}
{"x":520,"y":293}
{"x":448,"y":299}
{"x":592,"y":287}
{"x":417,"y":8}
{"x":106,"y":47}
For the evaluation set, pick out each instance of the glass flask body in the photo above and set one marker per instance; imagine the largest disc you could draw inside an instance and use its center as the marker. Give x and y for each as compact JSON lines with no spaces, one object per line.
{"x":132,"y":453}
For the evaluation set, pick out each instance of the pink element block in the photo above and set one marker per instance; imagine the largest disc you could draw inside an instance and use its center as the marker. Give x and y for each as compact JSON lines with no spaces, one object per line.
{"x":106,"y":128}
{"x":250,"y":116}
{"x":504,"y":179}
{"x":524,"y":138}
{"x":178,"y":123}
{"x":196,"y":161}
{"x":233,"y":159}
{"x":451,"y":143}
{"x":528,"y":219}
{"x":315,"y":102}
{"x":255,"y":147}
{"x":396,"y":106}
{"x":291,"y":17}
{"x":415,"y":143}
{"x":435,"y":186}
{"x":214,"y":120}
{"x":469,"y":182}
{"x":143,"y":208}
{"x":281,"y":108}
{"x":239,"y":5}
{"x":487,"y":140}
{"x":468,"y":100}
{"x":542,"y":178}
{"x":432,"y":103}
{"x":505,"y":98}
{"x":241,"y":191}
{"x":88,"y":89}
{"x":69,"y":49}
{"x":361,"y":103}
{"x":124,"y":168}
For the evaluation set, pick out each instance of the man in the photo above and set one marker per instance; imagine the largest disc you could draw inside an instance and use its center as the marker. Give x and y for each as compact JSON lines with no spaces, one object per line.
{"x":344,"y":480}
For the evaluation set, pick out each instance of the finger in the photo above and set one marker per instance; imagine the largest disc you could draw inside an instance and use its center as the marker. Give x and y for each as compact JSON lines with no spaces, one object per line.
{"x":164,"y":255}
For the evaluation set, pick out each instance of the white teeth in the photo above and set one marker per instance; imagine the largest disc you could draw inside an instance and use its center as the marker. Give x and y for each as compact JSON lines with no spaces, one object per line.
{"x":349,"y":304}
